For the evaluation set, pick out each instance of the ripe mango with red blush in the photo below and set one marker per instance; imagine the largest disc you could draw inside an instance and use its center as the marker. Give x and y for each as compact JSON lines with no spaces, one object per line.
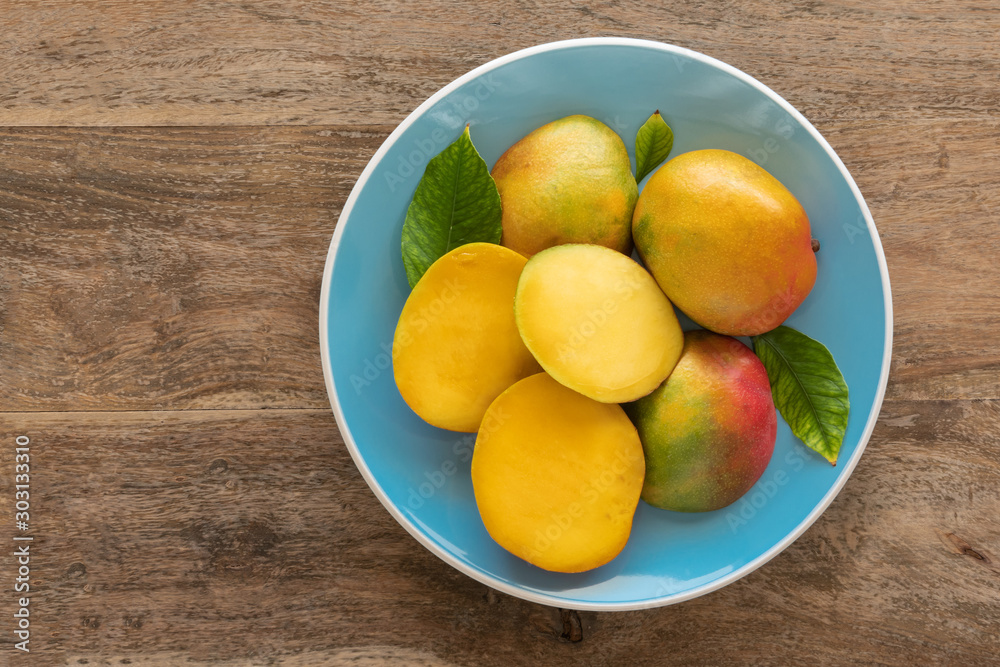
{"x":708,"y":432}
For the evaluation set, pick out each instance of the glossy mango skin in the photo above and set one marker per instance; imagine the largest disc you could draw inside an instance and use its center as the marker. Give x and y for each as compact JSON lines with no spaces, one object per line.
{"x":727,"y":242}
{"x":708,"y":432}
{"x":569,"y":181}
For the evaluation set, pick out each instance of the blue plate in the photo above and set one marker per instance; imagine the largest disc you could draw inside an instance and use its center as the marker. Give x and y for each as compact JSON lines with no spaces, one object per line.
{"x":421,"y":474}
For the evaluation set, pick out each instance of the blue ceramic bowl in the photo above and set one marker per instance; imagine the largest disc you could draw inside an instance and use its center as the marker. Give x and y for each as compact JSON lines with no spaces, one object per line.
{"x":421,"y":474}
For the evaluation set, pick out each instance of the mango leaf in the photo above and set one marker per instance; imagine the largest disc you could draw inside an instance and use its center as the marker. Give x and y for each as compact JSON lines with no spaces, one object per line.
{"x":808,"y":388}
{"x":456,"y":202}
{"x":653,"y":143}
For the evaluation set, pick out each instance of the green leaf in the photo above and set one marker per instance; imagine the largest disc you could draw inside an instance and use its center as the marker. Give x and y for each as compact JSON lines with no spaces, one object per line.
{"x":456,"y":202}
{"x":653,"y":143}
{"x":808,"y":388}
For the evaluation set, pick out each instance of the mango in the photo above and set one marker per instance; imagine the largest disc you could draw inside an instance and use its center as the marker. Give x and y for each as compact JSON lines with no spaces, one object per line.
{"x":708,"y":432}
{"x":456,"y":346}
{"x":597,"y":322}
{"x":557,"y":476}
{"x":728,"y":243}
{"x":569,"y":181}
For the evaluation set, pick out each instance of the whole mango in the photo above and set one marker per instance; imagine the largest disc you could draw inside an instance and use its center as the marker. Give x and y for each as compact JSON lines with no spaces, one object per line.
{"x":708,"y":432}
{"x":569,"y":181}
{"x":727,"y":242}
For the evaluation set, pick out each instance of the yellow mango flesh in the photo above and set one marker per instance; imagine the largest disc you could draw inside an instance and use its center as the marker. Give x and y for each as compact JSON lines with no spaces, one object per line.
{"x":727,"y":242}
{"x":597,"y":322}
{"x":569,"y":181}
{"x":456,"y":346}
{"x":557,"y":476}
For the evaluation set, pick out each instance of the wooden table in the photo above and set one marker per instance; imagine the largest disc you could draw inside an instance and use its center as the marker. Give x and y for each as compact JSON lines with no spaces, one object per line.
{"x":170,"y":178}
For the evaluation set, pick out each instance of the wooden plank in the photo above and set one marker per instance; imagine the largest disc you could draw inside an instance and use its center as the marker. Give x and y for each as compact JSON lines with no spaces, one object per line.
{"x":934,"y":199}
{"x":168,"y":268}
{"x":334,"y":62}
{"x":176,"y":268}
{"x":249,"y":536}
{"x":172,"y":274}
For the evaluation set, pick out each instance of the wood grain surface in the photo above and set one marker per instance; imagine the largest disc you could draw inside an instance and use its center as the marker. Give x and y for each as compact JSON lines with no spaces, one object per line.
{"x":170,"y":178}
{"x":250,"y":535}
{"x":340,"y":62}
